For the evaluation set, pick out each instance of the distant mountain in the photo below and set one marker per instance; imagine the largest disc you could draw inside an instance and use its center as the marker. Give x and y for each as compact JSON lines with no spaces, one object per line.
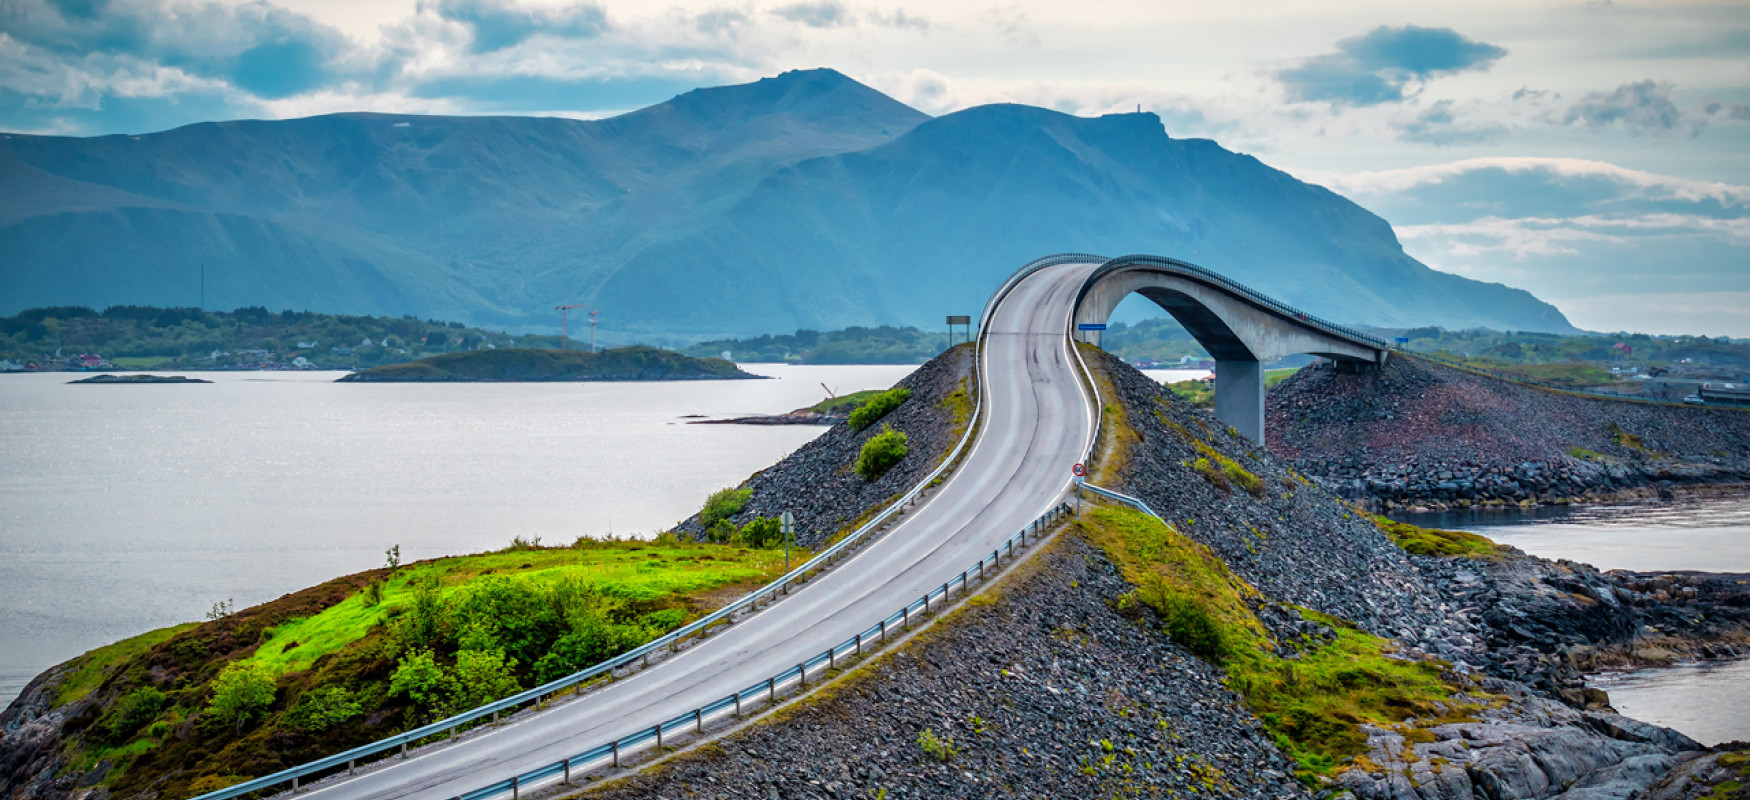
{"x":802,"y":201}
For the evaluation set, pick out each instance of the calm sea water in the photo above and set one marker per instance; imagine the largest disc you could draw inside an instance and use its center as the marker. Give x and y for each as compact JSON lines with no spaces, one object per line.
{"x":127,"y":508}
{"x":1710,"y":702}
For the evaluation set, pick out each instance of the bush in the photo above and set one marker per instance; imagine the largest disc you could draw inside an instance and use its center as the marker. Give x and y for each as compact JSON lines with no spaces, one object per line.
{"x":321,"y":709}
{"x":481,"y":676}
{"x":241,"y":693}
{"x":1189,"y":624}
{"x":592,"y":642}
{"x":497,"y":612}
{"x":880,"y":453}
{"x":723,"y":504}
{"x":420,"y":678}
{"x":871,"y":412}
{"x":133,"y":711}
{"x":763,"y":532}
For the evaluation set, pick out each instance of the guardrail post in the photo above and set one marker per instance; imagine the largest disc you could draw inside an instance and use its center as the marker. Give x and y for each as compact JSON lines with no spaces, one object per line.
{"x":859,"y":644}
{"x":905,"y":616}
{"x":963,"y":581}
{"x":658,"y":734}
{"x":404,"y":744}
{"x":294,"y":784}
{"x":802,"y":672}
{"x":513,"y":788}
{"x":926,"y":602}
{"x":883,"y":633}
{"x":981,"y":570}
{"x":698,"y":720}
{"x":738,"y":702}
{"x":771,"y":690}
{"x":616,"y":750}
{"x":832,"y":657}
{"x":352,"y":766}
{"x":567,"y":780}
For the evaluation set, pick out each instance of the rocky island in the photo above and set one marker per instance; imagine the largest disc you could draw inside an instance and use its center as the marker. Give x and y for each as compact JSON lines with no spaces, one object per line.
{"x":107,"y":378}
{"x":520,"y":364}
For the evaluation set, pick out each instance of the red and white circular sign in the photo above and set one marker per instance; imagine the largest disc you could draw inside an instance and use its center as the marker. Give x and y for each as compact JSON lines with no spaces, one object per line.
{"x":1079,"y":469}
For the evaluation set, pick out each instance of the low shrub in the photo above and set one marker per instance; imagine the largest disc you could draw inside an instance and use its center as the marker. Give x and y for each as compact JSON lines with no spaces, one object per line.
{"x":940,"y":748}
{"x":877,"y":407}
{"x":723,"y":504}
{"x":242,"y":692}
{"x":133,"y":711}
{"x":881,"y":452}
{"x":320,"y":709}
{"x":762,"y":532}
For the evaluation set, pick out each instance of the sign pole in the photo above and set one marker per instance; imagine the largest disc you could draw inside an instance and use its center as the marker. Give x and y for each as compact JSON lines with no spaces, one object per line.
{"x":788,"y":521}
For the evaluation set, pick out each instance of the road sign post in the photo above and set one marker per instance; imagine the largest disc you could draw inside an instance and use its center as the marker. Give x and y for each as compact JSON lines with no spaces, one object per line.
{"x":787,"y":520}
{"x":1080,"y":472}
{"x":959,"y":320}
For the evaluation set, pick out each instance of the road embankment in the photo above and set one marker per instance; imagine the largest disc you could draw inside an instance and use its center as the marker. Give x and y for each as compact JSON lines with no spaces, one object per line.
{"x":1416,"y":434}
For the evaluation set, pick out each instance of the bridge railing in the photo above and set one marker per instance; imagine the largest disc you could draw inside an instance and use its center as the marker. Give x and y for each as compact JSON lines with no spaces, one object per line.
{"x":610,"y":753}
{"x":349,"y":759}
{"x":1251,"y":295}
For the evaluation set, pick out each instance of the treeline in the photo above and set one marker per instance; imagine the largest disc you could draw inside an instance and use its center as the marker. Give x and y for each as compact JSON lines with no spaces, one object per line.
{"x":855,"y":345}
{"x":1531,"y":347}
{"x":152,"y":337}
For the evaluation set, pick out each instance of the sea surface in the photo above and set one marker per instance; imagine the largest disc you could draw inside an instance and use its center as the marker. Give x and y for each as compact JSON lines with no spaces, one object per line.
{"x":1708,"y":701}
{"x":128,"y":508}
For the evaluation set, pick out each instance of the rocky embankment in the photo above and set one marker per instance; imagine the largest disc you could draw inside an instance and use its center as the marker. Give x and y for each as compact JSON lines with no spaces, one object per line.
{"x":1057,"y":685}
{"x":816,"y":483}
{"x":1420,"y":434}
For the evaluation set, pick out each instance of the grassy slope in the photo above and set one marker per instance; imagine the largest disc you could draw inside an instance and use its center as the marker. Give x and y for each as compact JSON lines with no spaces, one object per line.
{"x":1202,"y":392}
{"x":1315,"y":703}
{"x":519,"y":364}
{"x":332,"y":636}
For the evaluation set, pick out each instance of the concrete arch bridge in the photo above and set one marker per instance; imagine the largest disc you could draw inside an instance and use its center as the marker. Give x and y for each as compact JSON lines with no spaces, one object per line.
{"x":1239,"y":326}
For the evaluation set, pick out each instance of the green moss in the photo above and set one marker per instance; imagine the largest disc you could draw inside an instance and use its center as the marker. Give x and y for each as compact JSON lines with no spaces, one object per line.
{"x":1434,"y":542}
{"x":1585,"y":455}
{"x":1224,"y":472}
{"x":1314,"y":705}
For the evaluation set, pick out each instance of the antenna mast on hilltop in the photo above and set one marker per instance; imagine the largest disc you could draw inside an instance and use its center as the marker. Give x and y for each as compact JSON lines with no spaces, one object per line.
{"x":592,"y":331}
{"x":565,"y":327}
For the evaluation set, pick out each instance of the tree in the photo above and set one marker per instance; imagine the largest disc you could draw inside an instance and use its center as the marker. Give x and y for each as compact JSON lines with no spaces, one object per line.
{"x":420,"y":678}
{"x":242,"y":692}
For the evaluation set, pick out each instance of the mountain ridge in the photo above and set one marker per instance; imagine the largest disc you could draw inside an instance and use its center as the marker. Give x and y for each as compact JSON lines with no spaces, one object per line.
{"x":805,"y":200}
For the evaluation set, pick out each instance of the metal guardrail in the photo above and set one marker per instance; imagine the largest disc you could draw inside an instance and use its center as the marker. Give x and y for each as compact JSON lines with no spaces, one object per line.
{"x":1133,"y":502}
{"x":610,"y":753}
{"x":349,"y":759}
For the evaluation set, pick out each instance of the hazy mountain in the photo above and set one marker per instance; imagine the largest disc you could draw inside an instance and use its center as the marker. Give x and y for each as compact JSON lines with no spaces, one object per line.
{"x":805,"y":200}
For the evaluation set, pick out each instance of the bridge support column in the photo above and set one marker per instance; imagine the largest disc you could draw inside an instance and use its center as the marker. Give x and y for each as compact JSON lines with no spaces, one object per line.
{"x":1239,"y":397}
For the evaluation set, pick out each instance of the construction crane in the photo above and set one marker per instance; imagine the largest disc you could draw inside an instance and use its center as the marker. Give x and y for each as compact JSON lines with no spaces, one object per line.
{"x":565,"y":327}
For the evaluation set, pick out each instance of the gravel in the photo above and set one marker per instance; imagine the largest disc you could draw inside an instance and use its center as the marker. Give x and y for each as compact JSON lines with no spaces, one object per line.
{"x":1031,"y":690}
{"x":817,"y":484}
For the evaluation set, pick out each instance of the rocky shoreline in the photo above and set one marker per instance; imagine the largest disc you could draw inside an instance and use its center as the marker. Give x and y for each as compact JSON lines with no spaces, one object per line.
{"x":1416,"y":434}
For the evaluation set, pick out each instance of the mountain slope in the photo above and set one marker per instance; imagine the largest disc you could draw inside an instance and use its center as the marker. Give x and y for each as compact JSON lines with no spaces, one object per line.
{"x":804,"y":200}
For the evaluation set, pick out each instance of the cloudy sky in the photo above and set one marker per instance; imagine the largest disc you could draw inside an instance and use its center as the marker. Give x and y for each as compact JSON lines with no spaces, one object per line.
{"x":1594,"y":153}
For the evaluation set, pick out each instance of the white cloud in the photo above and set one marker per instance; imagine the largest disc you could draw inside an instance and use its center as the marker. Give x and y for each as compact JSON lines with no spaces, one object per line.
{"x":1399,"y":180}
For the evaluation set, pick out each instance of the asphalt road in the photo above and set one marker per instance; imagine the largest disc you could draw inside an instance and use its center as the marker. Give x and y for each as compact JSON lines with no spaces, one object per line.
{"x":1039,"y":423}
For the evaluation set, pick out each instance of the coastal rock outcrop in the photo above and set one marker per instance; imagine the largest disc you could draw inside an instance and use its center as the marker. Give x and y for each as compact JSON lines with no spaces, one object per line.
{"x":1415,"y":433}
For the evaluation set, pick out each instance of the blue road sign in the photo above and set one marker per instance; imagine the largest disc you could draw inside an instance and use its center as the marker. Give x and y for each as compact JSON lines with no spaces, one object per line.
{"x":1403,"y":340}
{"x":1091,"y":326}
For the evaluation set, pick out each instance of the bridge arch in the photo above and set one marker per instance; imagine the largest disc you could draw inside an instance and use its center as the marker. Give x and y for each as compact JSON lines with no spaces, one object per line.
{"x":1240,"y":327}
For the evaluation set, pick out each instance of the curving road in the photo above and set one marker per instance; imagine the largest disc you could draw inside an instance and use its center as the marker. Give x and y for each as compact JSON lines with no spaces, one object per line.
{"x":1038,"y":423}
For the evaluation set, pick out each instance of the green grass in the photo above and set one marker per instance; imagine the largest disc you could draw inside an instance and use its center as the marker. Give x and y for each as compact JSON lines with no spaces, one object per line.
{"x":91,"y":669}
{"x":1275,"y":376}
{"x":1435,"y":542}
{"x":845,"y":403}
{"x":633,"y":571}
{"x":1585,"y":455}
{"x":1313,"y":705}
{"x":1197,"y":392}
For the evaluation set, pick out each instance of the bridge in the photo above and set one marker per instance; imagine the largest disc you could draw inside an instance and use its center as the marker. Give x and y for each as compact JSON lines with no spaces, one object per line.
{"x":1035,"y":415}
